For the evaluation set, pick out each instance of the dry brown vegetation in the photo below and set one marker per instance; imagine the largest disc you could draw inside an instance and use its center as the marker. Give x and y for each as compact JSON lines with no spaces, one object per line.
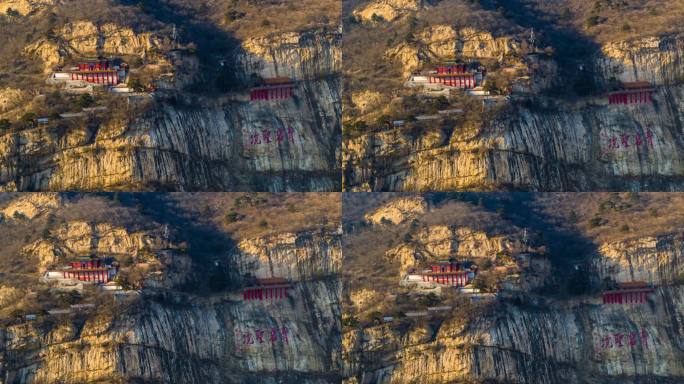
{"x":16,"y":233}
{"x":256,"y":215}
{"x":103,"y":209}
{"x":19,"y":69}
{"x":364,"y":255}
{"x":446,"y":209}
{"x":19,"y":272}
{"x":248,"y":18}
{"x":198,"y":223}
{"x":366,"y":66}
{"x":365,"y":246}
{"x":573,"y":29}
{"x":613,"y":20}
{"x":607,"y":217}
{"x":462,"y":14}
{"x":593,"y":218}
{"x":462,"y":214}
{"x":20,"y":31}
{"x":356,"y":205}
{"x":210,"y":29}
{"x":245,"y":215}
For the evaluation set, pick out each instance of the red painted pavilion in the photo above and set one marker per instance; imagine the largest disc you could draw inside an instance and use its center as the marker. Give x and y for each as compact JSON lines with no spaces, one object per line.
{"x":448,"y":272}
{"x":458,"y":80}
{"x":274,"y":88}
{"x":640,"y":92}
{"x":267,"y":289}
{"x":451,"y":68}
{"x":635,"y":292}
{"x":96,"y":72}
{"x":93,"y":270}
{"x":94,"y":65}
{"x":446,"y":266}
{"x":455,"y":278}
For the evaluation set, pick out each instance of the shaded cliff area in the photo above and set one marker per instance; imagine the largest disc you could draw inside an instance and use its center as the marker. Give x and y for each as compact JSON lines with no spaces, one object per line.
{"x":181,"y":118}
{"x":176,"y":309}
{"x":540,"y":120}
{"x":535,"y":311}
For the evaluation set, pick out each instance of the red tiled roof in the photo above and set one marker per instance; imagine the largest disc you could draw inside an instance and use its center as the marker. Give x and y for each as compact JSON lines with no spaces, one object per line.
{"x":272,"y":281}
{"x":444,"y":273}
{"x":96,"y":71}
{"x":277,"y":80}
{"x":452,"y":74}
{"x":636,"y":85}
{"x":632,"y":285}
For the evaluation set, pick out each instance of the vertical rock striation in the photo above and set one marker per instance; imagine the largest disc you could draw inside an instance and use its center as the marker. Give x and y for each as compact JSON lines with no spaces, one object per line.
{"x":168,"y":336}
{"x":576,"y":340}
{"x":580,"y":146}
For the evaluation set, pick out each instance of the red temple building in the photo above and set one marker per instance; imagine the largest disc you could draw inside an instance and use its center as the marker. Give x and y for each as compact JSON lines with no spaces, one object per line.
{"x":90,"y":270}
{"x":448,"y":272}
{"x":636,"y":292}
{"x":87,"y":264}
{"x":96,"y":72}
{"x":447,"y":266}
{"x":459,"y":80}
{"x":108,"y":77}
{"x":267,"y":289}
{"x":94,"y":65}
{"x":451,"y":68}
{"x":640,"y":92}
{"x":455,"y":278}
{"x":277,"y":88}
{"x":99,"y":275}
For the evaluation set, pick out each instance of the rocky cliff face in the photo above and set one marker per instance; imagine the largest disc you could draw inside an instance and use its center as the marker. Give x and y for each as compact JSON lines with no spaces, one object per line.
{"x":31,"y":205}
{"x":440,"y":242}
{"x":186,"y":149}
{"x":545,"y":145}
{"x":656,"y":260}
{"x":294,"y":256}
{"x":398,"y":211}
{"x":549,"y":341}
{"x":80,"y":238}
{"x":443,"y":241}
{"x":193,"y":338}
{"x":557,"y":344}
{"x":25,"y":7}
{"x":83,"y":38}
{"x":443,"y":42}
{"x":656,"y":59}
{"x":570,"y":150}
{"x":388,"y":9}
{"x":203,"y":143}
{"x":200,"y":343}
{"x":308,"y":55}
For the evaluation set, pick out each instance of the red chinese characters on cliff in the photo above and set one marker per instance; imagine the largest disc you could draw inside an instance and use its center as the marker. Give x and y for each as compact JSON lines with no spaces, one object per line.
{"x":268,"y":136}
{"x":624,"y":141}
{"x":620,"y":340}
{"x":254,"y":337}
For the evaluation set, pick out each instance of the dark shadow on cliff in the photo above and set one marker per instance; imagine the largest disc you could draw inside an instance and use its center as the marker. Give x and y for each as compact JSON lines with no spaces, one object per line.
{"x":214,"y":47}
{"x":217,"y":50}
{"x":573,"y":50}
{"x":566,"y":248}
{"x":207,"y":246}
